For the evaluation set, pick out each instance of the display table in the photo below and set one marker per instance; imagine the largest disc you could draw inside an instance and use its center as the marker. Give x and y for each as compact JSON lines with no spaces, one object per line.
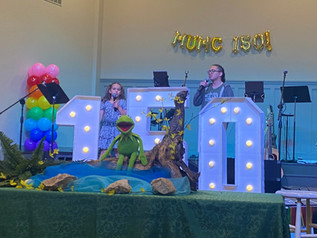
{"x":31,"y":213}
{"x":300,"y":195}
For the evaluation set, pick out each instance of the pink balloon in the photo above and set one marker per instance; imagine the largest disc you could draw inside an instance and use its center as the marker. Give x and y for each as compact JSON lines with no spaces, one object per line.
{"x":52,"y":70}
{"x":30,"y":72}
{"x":37,"y":69}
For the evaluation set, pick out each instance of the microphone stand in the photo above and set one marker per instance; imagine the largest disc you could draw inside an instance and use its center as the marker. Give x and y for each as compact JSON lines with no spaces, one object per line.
{"x":22,"y":102}
{"x":52,"y":128}
{"x":279,"y":118}
{"x":186,"y":74}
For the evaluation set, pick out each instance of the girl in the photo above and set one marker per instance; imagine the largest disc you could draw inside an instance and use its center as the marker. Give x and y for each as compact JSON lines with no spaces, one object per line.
{"x":113,"y":105}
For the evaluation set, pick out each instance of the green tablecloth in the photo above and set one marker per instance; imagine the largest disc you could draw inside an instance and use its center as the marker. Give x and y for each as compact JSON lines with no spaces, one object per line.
{"x":30,"y":213}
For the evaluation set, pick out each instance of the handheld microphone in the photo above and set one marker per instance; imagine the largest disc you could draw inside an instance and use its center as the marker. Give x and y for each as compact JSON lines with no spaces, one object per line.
{"x":202,"y":87}
{"x":114,"y":96}
{"x":285,"y":72}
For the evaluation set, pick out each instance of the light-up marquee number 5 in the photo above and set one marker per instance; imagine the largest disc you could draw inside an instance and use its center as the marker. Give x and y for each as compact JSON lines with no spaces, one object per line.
{"x":140,"y":100}
{"x":82,"y":112}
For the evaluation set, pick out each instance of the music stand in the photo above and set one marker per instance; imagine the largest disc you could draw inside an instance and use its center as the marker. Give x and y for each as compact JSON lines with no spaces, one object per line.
{"x":54,"y":94}
{"x":160,"y":79}
{"x":254,"y":90}
{"x":295,"y":94}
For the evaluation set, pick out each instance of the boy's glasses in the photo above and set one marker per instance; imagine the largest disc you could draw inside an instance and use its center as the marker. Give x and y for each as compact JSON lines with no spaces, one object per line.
{"x":212,"y":71}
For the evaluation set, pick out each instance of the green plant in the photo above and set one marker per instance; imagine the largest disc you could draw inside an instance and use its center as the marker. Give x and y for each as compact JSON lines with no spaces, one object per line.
{"x":16,"y":167}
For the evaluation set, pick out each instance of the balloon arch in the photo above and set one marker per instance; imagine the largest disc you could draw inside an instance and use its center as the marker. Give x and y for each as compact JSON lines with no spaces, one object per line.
{"x":39,"y":111}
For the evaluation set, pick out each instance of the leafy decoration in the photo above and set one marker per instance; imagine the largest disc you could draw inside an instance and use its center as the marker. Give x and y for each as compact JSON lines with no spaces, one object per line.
{"x":15,"y":168}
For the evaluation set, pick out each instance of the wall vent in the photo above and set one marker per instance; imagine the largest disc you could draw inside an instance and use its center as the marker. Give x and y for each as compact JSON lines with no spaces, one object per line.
{"x":57,"y":2}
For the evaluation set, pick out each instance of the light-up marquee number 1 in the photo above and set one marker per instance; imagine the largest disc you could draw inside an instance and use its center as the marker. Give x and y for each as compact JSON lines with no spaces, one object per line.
{"x":82,"y":112}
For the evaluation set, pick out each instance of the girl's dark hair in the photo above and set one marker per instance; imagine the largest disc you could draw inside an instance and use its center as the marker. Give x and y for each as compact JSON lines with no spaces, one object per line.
{"x":107,"y":96}
{"x":221,"y":69}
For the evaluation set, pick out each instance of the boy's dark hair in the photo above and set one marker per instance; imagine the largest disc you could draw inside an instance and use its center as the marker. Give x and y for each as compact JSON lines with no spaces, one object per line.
{"x":222,"y":70}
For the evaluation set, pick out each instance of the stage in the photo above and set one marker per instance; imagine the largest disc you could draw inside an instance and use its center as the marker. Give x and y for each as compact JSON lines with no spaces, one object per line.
{"x":296,"y":175}
{"x":299,"y":175}
{"x":32,"y":213}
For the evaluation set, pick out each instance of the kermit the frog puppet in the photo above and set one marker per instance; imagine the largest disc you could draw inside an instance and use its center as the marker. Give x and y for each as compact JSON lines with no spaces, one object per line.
{"x":128,"y":143}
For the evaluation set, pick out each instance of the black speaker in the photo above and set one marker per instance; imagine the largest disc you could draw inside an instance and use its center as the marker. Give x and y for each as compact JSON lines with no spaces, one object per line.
{"x":160,"y":79}
{"x":272,"y":176}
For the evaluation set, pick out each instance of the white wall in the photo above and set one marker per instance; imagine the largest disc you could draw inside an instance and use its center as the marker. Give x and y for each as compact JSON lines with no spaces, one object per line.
{"x":37,"y":31}
{"x":138,"y":34}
